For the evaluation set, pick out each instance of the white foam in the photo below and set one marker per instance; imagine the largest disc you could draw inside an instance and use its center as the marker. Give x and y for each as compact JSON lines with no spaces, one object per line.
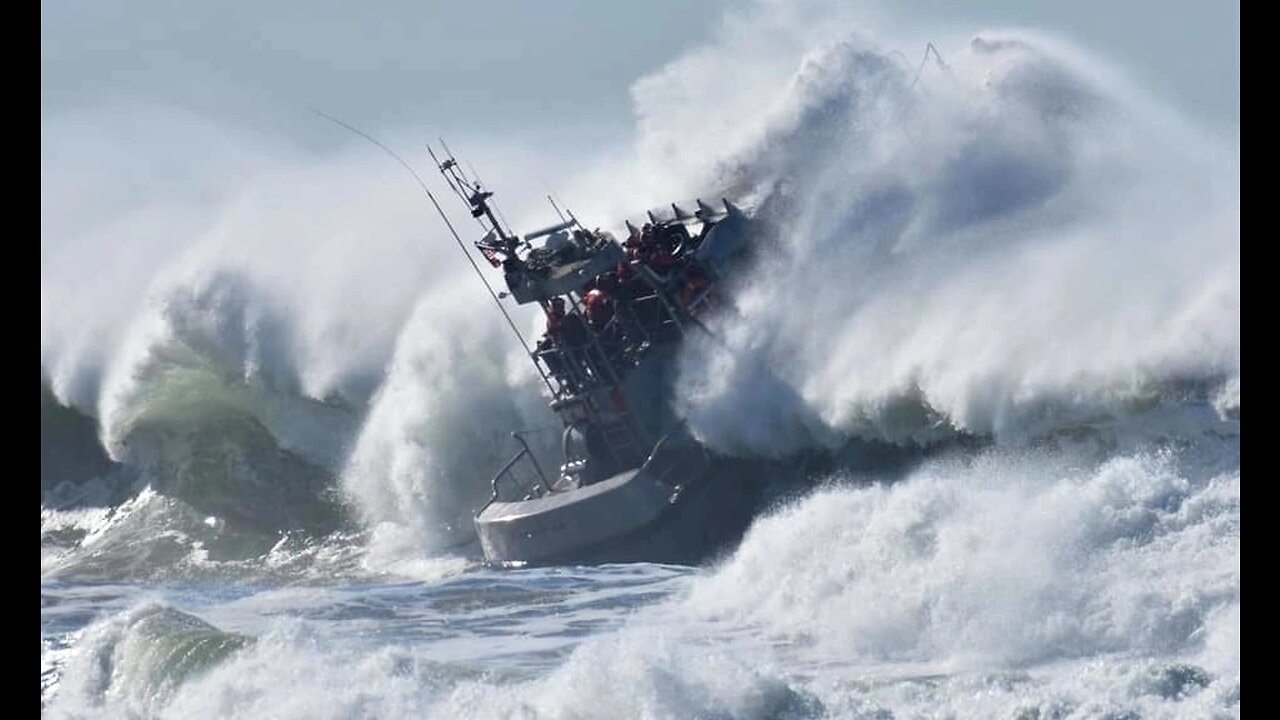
{"x":1018,"y":245}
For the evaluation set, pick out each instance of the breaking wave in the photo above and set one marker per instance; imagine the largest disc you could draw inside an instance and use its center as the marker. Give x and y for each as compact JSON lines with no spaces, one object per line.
{"x":1012,"y":266}
{"x":134,"y":662}
{"x":1005,"y":249}
{"x":210,"y":404}
{"x":1063,"y":583}
{"x":1013,"y":245}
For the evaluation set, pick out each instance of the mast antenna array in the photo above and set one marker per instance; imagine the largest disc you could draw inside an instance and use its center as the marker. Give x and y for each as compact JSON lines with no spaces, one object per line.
{"x":498,"y":240}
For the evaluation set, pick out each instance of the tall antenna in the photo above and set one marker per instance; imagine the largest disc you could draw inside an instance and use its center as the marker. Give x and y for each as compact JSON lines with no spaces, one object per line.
{"x":928,"y":48}
{"x":473,"y":194}
{"x":457,"y":238}
{"x":479,"y":181}
{"x":557,"y":207}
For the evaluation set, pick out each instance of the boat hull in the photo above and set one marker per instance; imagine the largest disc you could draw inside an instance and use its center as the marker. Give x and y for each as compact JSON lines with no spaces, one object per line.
{"x":634,"y":516}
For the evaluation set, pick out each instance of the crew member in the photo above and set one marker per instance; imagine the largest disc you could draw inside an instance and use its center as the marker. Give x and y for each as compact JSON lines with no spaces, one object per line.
{"x":695,"y":284}
{"x":555,"y":316}
{"x":599,"y":307}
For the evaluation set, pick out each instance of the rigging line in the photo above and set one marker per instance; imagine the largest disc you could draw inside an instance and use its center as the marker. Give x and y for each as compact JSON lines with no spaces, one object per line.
{"x":456,"y":237}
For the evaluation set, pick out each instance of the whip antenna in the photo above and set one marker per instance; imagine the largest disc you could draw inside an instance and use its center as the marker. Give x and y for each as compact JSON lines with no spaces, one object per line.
{"x":457,"y":238}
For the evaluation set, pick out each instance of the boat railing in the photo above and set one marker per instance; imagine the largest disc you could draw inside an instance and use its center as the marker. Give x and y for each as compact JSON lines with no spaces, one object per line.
{"x":700,"y":303}
{"x":523,"y":486}
{"x":653,"y":318}
{"x":609,"y":350}
{"x":574,"y":369}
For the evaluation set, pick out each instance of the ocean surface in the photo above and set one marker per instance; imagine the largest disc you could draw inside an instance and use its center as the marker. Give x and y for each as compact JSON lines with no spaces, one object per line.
{"x":987,"y":586}
{"x":264,"y":431}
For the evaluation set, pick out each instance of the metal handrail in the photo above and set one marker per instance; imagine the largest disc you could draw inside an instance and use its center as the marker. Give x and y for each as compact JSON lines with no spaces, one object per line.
{"x":542,"y":478}
{"x":542,"y":488}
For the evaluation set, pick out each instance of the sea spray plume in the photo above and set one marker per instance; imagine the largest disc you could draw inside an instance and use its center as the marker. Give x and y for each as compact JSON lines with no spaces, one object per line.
{"x":223,"y":369}
{"x":241,"y":370}
{"x":1010,"y":248}
{"x":123,"y":192}
{"x":440,"y":424}
{"x":715,"y":102}
{"x":414,"y":473}
{"x":461,"y":185}
{"x":292,"y":244}
{"x":1227,"y":399}
{"x":278,"y":289}
{"x":264,"y":327}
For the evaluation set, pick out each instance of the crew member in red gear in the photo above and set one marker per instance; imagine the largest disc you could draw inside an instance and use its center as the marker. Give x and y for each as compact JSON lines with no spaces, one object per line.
{"x":598,"y":308}
{"x":696,"y":283}
{"x":555,"y":315}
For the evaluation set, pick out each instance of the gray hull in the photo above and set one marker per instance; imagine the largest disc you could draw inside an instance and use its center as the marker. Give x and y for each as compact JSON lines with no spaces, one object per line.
{"x":632,"y":516}
{"x":560,"y":524}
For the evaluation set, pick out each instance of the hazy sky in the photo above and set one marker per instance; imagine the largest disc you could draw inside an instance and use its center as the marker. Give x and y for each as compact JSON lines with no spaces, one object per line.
{"x":507,"y":64}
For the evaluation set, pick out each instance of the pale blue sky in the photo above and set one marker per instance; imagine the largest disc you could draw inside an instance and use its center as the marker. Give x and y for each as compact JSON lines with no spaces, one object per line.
{"x":505,"y":64}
